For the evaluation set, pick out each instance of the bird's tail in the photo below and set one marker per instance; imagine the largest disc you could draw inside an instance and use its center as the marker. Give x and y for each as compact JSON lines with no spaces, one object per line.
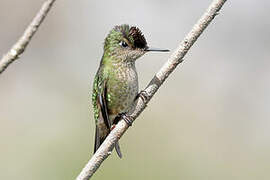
{"x":99,"y":140}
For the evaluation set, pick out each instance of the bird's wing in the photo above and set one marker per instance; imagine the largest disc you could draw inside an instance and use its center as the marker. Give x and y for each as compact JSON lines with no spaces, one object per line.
{"x":100,"y":109}
{"x":103,"y":105}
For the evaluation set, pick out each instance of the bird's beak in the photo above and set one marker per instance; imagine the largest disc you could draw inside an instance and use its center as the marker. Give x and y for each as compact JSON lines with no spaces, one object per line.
{"x":156,"y":49}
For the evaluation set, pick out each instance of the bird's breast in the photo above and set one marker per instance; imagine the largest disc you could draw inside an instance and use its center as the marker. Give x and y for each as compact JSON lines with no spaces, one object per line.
{"x":122,"y":90}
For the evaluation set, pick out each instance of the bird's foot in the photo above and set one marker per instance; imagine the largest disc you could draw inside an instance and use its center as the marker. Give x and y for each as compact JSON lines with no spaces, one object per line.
{"x":143,"y":95}
{"x":128,"y":119}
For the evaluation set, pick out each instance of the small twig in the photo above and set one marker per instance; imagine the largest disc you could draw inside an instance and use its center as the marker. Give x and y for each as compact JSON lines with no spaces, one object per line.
{"x":177,"y":57}
{"x":22,"y":43}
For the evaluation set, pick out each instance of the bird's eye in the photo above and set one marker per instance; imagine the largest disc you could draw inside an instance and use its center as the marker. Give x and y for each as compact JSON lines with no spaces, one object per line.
{"x":123,"y":44}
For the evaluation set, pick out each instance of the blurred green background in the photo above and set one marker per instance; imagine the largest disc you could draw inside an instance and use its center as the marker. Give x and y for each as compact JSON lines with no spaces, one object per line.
{"x":210,"y":120}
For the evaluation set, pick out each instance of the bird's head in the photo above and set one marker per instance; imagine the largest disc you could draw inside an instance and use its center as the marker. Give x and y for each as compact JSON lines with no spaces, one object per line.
{"x":125,"y":43}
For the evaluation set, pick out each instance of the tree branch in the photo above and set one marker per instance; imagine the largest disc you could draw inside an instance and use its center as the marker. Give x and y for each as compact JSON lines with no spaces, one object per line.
{"x":177,"y":57}
{"x":22,"y":43}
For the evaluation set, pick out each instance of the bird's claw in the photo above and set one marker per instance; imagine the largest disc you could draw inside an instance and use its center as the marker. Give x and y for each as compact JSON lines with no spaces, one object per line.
{"x":127,"y":119}
{"x":143,"y":95}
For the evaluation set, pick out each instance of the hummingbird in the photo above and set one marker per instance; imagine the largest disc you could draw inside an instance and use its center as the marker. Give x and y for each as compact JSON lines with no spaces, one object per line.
{"x":115,"y":87}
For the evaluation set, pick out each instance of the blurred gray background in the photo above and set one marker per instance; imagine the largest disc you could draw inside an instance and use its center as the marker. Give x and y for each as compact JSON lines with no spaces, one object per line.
{"x":209,"y":121}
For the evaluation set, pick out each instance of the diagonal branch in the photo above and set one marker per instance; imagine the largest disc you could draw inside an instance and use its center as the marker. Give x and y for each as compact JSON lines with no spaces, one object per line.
{"x":22,"y":43}
{"x":177,"y":57}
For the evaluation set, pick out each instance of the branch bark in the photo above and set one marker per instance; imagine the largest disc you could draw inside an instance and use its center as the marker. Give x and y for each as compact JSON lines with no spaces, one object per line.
{"x":177,"y":57}
{"x":22,"y":43}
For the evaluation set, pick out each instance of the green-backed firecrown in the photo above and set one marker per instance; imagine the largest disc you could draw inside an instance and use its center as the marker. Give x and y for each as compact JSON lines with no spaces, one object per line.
{"x":116,"y":82}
